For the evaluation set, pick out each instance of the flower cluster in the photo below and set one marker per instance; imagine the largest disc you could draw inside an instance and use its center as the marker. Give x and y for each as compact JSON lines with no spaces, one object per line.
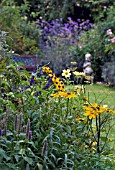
{"x":58,"y":40}
{"x":111,"y":36}
{"x":58,"y":83}
{"x":46,"y":69}
{"x":64,"y":94}
{"x":56,"y":80}
{"x":93,"y":110}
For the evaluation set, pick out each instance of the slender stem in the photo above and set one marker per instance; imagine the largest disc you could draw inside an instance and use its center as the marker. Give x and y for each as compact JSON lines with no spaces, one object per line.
{"x":92,"y":131}
{"x":67,"y":108}
{"x":98,"y":134}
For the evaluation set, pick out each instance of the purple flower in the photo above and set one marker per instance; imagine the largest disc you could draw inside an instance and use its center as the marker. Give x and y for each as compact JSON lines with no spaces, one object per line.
{"x":69,"y":18}
{"x":78,"y":20}
{"x":48,"y":84}
{"x":26,"y":87}
{"x":0,"y":132}
{"x":61,"y":19}
{"x":30,"y":135}
{"x":35,"y":70}
{"x":38,"y":93}
{"x":82,"y":24}
{"x":32,"y":80}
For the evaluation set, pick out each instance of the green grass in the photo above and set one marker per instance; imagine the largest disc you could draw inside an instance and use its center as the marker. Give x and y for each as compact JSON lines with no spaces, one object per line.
{"x":103,"y":95}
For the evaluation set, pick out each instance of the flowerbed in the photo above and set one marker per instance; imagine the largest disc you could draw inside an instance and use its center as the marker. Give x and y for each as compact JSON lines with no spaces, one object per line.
{"x":44,"y":124}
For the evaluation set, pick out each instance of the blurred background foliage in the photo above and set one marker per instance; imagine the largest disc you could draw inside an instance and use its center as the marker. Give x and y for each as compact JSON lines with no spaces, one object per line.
{"x":19,"y":18}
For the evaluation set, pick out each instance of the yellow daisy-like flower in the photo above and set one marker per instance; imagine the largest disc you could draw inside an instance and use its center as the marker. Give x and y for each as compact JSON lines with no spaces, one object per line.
{"x":79,"y":74}
{"x":88,"y":77}
{"x":92,"y":111}
{"x":59,"y":94}
{"x":70,"y":95}
{"x":66,"y":73}
{"x":46,"y":69}
{"x":63,"y":94}
{"x":58,"y":83}
{"x":59,"y":86}
{"x":81,"y":119}
{"x":91,"y":114}
{"x":73,"y":62}
{"x":56,"y":95}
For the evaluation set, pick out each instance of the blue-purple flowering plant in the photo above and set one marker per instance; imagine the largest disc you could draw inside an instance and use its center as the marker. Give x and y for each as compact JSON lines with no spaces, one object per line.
{"x":58,"y":41}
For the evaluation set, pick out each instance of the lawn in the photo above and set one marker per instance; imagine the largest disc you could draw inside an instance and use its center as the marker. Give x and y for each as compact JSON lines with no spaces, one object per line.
{"x":103,"y":95}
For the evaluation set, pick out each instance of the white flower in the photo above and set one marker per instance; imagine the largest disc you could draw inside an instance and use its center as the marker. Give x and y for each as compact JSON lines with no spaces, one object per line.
{"x":105,"y":106}
{"x":66,"y":73}
{"x":87,"y":55}
{"x":109,"y":32}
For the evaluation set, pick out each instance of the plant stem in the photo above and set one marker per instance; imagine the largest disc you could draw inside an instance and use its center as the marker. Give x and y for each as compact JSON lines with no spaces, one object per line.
{"x":98,"y":133}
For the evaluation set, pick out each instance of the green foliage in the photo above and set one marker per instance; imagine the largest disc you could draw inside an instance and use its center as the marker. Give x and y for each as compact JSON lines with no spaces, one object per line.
{"x":41,"y":132}
{"x":99,"y":44}
{"x":13,"y":20}
{"x":52,"y":9}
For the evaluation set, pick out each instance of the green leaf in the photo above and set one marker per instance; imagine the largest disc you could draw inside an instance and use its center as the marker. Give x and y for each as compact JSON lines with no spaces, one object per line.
{"x":27,"y":159}
{"x":12,"y":105}
{"x":40,"y":167}
{"x":68,"y":129}
{"x":104,"y":139}
{"x":20,"y":64}
{"x":3,"y":154}
{"x":17,"y":157}
{"x":31,"y":153}
{"x":27,"y":167}
{"x":4,"y":167}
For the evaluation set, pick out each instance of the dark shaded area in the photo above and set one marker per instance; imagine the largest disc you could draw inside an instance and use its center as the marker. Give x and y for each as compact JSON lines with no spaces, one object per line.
{"x":81,"y":13}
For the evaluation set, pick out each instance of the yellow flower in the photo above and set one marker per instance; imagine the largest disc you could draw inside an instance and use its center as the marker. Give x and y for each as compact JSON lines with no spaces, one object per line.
{"x":92,"y":111}
{"x":59,"y":87}
{"x":79,"y":89}
{"x":70,"y":95}
{"x":81,"y":119}
{"x":59,"y":94}
{"x":79,"y":74}
{"x":85,"y":98}
{"x":66,"y":73}
{"x":90,"y":114}
{"x":88,"y":77}
{"x":58,"y":83}
{"x":73,"y":62}
{"x":55,"y":95}
{"x":94,"y":143}
{"x":63,"y":94}
{"x":46,"y":69}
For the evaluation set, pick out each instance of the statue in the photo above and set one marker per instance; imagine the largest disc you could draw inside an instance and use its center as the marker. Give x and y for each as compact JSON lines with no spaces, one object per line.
{"x":87,"y":68}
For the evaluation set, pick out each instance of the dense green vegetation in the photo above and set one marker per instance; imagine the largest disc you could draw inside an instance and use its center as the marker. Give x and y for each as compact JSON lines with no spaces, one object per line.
{"x":46,"y":121}
{"x":46,"y":125}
